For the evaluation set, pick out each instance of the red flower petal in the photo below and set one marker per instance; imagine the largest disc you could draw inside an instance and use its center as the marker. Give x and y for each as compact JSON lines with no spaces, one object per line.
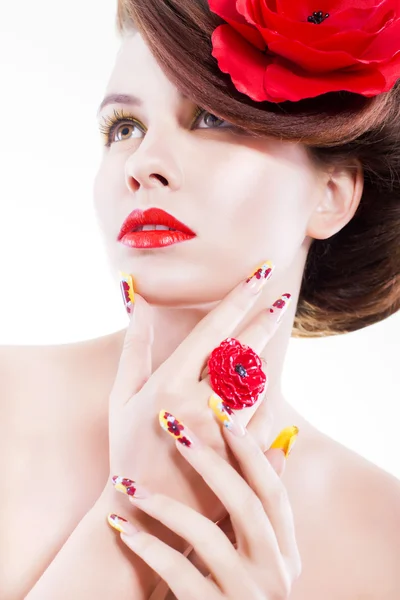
{"x":235,"y":389}
{"x":310,"y":59}
{"x":226,"y":10}
{"x":385,"y":45}
{"x":284,"y":83}
{"x":355,"y":48}
{"x":232,"y":53}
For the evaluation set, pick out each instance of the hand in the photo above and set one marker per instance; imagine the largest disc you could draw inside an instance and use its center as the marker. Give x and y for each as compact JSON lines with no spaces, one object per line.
{"x":266,"y":561}
{"x":138,"y":395}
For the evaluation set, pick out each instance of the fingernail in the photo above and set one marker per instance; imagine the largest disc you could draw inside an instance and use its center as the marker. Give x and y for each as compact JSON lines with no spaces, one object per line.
{"x":256,"y":281}
{"x":286,"y":439}
{"x":127,"y":291}
{"x":129,"y":487}
{"x":280,"y":306}
{"x":121,"y":524}
{"x":178,"y":430}
{"x":225,"y":415}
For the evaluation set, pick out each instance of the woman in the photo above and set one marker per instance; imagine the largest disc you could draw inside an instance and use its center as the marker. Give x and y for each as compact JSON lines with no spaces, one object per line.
{"x":296,"y":175}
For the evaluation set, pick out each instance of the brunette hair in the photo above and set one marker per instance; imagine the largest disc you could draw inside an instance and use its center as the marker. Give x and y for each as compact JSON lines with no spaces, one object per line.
{"x":352,"y":279}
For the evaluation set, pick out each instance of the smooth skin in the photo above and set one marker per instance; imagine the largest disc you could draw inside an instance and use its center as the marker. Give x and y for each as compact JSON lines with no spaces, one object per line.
{"x":266,"y":559}
{"x":139,"y":394}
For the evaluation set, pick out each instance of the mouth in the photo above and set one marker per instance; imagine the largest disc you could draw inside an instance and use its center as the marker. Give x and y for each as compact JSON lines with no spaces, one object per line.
{"x":153,"y":228}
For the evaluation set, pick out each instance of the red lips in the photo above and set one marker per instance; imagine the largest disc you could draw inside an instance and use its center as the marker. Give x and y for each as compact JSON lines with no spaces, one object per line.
{"x":153,"y":238}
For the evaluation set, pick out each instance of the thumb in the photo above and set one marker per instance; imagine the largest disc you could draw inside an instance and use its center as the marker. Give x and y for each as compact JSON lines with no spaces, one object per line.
{"x":134,"y":367}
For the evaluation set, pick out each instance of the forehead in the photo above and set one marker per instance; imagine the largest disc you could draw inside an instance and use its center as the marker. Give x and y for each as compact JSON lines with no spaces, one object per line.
{"x":136,"y":71}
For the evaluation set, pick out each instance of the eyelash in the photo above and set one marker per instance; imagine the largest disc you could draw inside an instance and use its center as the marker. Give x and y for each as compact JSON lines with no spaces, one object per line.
{"x":111,"y":123}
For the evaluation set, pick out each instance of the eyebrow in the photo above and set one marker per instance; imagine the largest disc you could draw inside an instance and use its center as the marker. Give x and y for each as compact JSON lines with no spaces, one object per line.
{"x":119,"y":99}
{"x":125,"y":99}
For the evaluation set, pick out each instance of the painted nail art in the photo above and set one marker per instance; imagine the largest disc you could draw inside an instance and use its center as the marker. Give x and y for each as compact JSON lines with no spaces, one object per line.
{"x":121,"y":524}
{"x":177,"y":430}
{"x":127,"y":291}
{"x":225,"y":415}
{"x":281,"y":305}
{"x":129,"y":487}
{"x":256,"y":281}
{"x":286,"y":439}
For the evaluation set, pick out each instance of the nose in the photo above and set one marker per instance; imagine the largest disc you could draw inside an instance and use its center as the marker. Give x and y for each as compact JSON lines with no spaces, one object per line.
{"x":152,"y":166}
{"x":154,"y":180}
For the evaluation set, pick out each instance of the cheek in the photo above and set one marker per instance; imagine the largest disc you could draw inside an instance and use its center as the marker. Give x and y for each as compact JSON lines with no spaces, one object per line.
{"x":267,"y":209}
{"x":97,"y":192}
{"x":106,"y":189}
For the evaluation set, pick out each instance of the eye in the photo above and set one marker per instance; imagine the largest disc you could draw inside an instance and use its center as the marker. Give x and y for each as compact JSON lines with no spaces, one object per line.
{"x":121,"y":123}
{"x":202,"y":113}
{"x":111,"y":124}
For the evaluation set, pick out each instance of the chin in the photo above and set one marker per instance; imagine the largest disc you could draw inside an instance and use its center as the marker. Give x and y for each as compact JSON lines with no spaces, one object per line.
{"x":179,"y":295}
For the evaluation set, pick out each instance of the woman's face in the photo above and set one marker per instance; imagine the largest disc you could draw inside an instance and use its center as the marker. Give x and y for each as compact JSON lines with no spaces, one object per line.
{"x":247,"y":200}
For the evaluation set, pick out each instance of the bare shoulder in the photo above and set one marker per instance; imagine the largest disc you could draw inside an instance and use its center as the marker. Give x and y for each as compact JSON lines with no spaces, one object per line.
{"x":369,"y":497}
{"x":72,"y":364}
{"x":54,"y":419}
{"x":350,"y":530}
{"x":363,"y":489}
{"x":369,"y":505}
{"x":10,"y":354}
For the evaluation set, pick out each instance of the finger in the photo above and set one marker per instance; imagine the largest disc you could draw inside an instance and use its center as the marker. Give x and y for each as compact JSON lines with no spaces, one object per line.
{"x":162,"y":591}
{"x":260,"y":424}
{"x":252,"y":527}
{"x":259,"y":414}
{"x":262,"y":327}
{"x":135,"y":361}
{"x":219,"y":323}
{"x":209,"y":542}
{"x":182,"y":577}
{"x":267,"y":486}
{"x":277,"y":460}
{"x":260,"y":428}
{"x":257,"y":335}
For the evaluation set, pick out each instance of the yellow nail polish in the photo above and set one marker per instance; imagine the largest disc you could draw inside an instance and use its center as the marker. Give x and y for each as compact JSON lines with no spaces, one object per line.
{"x":129,"y":487}
{"x":120,"y":524}
{"x":178,"y":430}
{"x":256,"y":281}
{"x":286,"y":439}
{"x":127,"y":291}
{"x":224,"y":414}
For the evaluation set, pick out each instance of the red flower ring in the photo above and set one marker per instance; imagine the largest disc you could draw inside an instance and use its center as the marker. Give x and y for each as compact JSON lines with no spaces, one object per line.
{"x":236,"y":374}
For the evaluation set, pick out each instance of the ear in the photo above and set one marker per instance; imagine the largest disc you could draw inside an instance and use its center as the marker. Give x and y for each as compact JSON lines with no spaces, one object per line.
{"x":340,"y":196}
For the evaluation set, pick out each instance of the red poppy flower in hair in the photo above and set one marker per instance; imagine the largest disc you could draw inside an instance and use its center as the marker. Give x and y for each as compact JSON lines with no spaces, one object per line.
{"x":236,"y":374}
{"x":279,"y":50}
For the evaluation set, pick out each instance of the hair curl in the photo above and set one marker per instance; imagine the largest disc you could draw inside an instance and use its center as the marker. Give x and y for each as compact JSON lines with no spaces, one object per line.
{"x":352,"y":279}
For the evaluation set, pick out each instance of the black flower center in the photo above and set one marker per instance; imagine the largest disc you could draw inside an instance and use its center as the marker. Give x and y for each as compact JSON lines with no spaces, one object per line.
{"x":241,"y":370}
{"x":317,"y":17}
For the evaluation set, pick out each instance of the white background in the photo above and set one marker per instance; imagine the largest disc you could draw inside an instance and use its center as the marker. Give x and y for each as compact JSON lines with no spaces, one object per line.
{"x":56,"y":287}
